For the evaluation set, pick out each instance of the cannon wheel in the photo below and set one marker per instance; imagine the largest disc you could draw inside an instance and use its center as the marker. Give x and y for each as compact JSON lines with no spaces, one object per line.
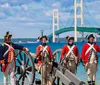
{"x":56,"y":54}
{"x":25,"y":69}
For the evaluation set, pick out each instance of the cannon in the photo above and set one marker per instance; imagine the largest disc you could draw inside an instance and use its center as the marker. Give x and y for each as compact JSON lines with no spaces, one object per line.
{"x":25,"y":69}
{"x":62,"y":74}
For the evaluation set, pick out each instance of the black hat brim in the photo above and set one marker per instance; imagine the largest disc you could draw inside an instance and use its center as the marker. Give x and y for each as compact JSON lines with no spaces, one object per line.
{"x":71,"y":38}
{"x":90,"y":36}
{"x":44,"y":37}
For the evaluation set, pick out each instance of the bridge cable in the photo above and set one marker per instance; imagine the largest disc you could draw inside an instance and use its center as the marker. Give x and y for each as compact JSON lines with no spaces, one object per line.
{"x":90,"y":14}
{"x":87,"y":21}
{"x":69,"y":18}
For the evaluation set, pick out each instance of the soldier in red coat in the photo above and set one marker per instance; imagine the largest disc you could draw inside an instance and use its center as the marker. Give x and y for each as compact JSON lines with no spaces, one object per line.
{"x":90,"y":58}
{"x":70,"y":55}
{"x":44,"y":61}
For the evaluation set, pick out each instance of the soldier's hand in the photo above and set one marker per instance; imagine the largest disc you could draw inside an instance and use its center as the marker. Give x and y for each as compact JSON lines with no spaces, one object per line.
{"x":64,"y":61}
{"x":25,"y":49}
{"x":51,"y":63}
{"x":83,"y":64}
{"x":3,"y":65}
{"x":32,"y":55}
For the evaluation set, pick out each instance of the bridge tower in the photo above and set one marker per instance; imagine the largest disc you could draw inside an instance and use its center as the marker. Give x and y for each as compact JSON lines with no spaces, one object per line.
{"x":78,"y":4}
{"x":55,"y":22}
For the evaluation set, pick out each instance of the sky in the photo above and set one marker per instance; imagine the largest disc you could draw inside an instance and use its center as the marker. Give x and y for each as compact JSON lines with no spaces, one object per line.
{"x":26,"y":18}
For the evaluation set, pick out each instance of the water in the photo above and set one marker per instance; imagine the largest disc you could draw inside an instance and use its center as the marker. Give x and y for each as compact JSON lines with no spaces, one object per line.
{"x":81,"y":74}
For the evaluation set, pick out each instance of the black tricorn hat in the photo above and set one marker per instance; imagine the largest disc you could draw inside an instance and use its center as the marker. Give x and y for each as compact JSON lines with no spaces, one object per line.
{"x":44,"y":37}
{"x":8,"y":35}
{"x":89,"y":36}
{"x":69,"y":38}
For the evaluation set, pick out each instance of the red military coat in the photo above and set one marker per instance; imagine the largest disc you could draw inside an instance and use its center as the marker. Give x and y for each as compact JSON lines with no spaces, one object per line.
{"x":38,"y":53}
{"x":66,"y":49}
{"x":85,"y":55}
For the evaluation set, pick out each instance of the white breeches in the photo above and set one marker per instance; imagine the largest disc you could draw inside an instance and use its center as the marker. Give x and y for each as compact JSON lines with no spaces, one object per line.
{"x":10,"y":70}
{"x":91,"y":69}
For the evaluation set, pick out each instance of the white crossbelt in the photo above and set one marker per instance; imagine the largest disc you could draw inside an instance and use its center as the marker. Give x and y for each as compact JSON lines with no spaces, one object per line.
{"x":91,"y":47}
{"x":9,"y":47}
{"x":44,"y":49}
{"x":70,"y":50}
{"x":72,"y":57}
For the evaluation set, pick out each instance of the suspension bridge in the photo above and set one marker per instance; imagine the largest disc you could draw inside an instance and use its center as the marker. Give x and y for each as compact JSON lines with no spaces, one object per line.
{"x":77,"y":15}
{"x":79,"y":29}
{"x":25,"y":65}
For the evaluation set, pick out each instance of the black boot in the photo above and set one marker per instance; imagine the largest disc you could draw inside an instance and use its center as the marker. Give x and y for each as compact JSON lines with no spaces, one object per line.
{"x":89,"y":83}
{"x":93,"y":82}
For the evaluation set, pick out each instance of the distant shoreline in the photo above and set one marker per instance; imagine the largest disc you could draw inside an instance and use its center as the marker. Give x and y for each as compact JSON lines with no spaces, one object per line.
{"x":34,"y":40}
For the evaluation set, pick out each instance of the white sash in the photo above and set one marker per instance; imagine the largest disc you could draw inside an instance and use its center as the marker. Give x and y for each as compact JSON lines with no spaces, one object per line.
{"x":91,"y":47}
{"x":45,"y":48}
{"x":70,"y":50}
{"x":9,"y":48}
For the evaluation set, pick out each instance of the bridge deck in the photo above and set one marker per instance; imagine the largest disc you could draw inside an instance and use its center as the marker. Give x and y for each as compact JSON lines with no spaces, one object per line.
{"x":79,"y":29}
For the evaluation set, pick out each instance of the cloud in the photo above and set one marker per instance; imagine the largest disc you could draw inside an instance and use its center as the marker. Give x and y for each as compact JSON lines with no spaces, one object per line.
{"x":93,"y":6}
{"x":24,"y":29}
{"x":56,"y":4}
{"x":37,"y":0}
{"x":91,"y":12}
{"x":2,"y":16}
{"x":64,"y":15}
{"x":98,"y":17}
{"x":30,"y":15}
{"x":25,"y":7}
{"x":7,"y":9}
{"x":16,"y":2}
{"x":48,"y":13}
{"x":5,"y":5}
{"x":67,"y":3}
